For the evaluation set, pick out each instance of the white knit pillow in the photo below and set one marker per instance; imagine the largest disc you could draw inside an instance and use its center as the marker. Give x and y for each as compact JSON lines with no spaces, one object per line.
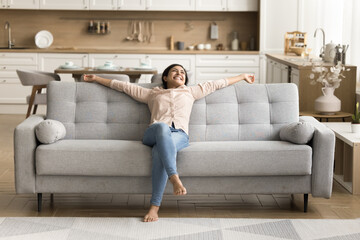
{"x":50,"y":131}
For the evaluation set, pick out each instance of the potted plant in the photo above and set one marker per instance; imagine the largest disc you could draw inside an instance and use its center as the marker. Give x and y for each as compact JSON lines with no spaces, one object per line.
{"x":355,"y":126}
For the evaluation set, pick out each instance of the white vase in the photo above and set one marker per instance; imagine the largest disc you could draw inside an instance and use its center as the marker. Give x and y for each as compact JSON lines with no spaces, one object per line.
{"x":328,"y":103}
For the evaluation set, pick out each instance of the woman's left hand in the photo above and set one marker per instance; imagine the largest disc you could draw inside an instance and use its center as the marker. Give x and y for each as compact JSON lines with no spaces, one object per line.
{"x":249,"y":78}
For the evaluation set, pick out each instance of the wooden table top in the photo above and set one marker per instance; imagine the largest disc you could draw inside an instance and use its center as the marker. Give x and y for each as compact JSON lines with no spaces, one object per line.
{"x":318,"y":115}
{"x":127,"y":71}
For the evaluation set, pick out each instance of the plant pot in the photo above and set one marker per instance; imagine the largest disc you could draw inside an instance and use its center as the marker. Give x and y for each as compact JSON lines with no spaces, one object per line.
{"x":355,"y":128}
{"x":327,"y":104}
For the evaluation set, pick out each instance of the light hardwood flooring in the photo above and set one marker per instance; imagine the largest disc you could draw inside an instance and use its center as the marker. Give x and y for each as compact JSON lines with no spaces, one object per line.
{"x":342,"y":205}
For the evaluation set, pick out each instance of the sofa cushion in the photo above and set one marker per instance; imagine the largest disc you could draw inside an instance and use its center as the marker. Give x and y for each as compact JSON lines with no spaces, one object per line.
{"x":132,"y":158}
{"x":245,"y":158}
{"x":94,"y":158}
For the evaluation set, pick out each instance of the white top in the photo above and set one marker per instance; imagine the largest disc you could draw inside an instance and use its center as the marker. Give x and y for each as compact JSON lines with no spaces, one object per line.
{"x":343,"y":131}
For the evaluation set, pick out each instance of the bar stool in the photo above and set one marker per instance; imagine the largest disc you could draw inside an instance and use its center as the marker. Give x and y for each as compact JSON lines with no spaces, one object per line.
{"x":38,"y":80}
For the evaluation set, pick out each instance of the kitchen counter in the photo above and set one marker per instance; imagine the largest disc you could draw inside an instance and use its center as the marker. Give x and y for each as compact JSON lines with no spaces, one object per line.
{"x":295,"y":61}
{"x":125,"y":51}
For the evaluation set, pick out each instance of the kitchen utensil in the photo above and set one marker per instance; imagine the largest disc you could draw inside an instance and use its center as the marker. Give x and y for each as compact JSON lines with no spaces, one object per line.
{"x":207,"y":46}
{"x":329,"y":52}
{"x":297,"y":50}
{"x":43,"y":39}
{"x":140,"y":36}
{"x":180,"y":45}
{"x":200,"y":46}
{"x":152,"y":32}
{"x":69,"y":65}
{"x":214,"y":31}
{"x":130,"y":36}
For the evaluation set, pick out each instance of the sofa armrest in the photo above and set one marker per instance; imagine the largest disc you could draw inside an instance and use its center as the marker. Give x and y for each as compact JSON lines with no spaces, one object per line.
{"x":25,"y":144}
{"x":323,"y":145}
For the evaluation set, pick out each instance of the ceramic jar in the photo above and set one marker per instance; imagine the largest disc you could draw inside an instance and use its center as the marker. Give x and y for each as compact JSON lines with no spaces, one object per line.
{"x":328,"y":103}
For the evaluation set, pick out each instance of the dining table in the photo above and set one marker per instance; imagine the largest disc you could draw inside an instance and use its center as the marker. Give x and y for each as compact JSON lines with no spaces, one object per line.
{"x":133,"y":73}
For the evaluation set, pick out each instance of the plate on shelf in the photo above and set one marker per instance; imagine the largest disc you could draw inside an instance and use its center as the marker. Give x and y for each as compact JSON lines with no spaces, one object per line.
{"x":44,"y":39}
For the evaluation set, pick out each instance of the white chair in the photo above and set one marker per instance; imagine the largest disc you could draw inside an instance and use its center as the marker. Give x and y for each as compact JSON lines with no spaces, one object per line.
{"x":38,"y":80}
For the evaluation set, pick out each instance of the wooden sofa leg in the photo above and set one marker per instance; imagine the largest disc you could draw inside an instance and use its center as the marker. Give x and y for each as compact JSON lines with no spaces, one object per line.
{"x":306,"y":200}
{"x":39,"y":198}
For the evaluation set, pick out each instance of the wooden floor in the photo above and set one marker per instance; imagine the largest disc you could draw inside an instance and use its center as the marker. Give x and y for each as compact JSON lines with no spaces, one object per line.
{"x":341,"y":205}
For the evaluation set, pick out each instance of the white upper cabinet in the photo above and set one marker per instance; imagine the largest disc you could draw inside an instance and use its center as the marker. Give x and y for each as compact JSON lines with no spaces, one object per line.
{"x":20,"y":4}
{"x":170,"y":5}
{"x":65,"y":4}
{"x":242,"y":5}
{"x":103,"y":4}
{"x":131,"y":4}
{"x":211,"y":5}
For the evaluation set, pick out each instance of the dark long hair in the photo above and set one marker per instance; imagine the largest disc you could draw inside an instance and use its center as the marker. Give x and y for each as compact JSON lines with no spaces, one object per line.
{"x":166,"y":73}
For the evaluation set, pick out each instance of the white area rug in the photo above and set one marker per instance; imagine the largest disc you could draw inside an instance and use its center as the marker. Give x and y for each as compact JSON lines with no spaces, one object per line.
{"x":177,"y":228}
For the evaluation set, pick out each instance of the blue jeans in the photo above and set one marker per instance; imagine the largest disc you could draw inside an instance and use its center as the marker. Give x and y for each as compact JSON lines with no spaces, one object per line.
{"x":165,"y":142}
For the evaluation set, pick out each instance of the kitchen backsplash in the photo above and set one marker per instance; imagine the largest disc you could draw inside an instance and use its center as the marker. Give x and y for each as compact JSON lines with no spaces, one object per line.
{"x":70,"y":28}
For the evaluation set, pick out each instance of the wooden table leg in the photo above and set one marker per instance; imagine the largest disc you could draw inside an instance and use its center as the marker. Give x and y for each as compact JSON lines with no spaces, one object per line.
{"x":339,"y":154}
{"x":347,"y":162}
{"x":356,"y":169}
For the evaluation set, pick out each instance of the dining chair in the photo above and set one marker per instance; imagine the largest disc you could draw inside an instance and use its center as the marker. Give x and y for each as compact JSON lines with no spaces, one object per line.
{"x":38,"y":80}
{"x":120,"y":77}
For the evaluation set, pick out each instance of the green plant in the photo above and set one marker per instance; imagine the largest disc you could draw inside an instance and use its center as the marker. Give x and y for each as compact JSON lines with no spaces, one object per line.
{"x":356,"y":115}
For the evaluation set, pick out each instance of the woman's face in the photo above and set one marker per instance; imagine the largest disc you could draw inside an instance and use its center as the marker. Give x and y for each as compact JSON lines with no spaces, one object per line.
{"x":176,"y":77}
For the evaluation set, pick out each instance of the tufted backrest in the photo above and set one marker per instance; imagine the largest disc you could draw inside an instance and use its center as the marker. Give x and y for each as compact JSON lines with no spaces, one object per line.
{"x":238,"y":112}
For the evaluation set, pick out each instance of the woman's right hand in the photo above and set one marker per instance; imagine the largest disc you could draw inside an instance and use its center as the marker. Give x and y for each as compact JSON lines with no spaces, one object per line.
{"x":89,"y":78}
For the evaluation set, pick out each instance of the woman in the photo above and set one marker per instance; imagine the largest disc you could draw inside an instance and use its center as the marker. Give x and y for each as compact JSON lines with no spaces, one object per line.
{"x":170,"y":108}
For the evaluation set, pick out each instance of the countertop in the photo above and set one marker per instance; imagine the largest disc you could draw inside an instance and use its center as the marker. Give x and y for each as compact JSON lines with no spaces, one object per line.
{"x":124,"y":51}
{"x":295,"y":61}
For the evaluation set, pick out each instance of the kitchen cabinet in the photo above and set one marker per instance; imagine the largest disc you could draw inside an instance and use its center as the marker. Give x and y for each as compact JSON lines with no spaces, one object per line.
{"x":212,"y":67}
{"x":48,"y":62}
{"x":65,"y":4}
{"x":20,"y":4}
{"x":211,"y":5}
{"x":170,"y":5}
{"x":11,"y":89}
{"x":295,"y":76}
{"x":276,"y":72}
{"x":242,"y":5}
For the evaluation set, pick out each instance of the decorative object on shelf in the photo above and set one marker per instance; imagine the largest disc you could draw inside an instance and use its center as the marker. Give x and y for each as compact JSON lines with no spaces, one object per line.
{"x":294,"y":40}
{"x":330,"y":78}
{"x":235,"y":42}
{"x":220,"y":47}
{"x":43,"y":39}
{"x":100,"y":28}
{"x":355,"y":125}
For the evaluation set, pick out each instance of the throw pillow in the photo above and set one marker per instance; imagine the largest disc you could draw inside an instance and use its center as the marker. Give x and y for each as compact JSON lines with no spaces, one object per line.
{"x":50,"y":131}
{"x":297,"y":132}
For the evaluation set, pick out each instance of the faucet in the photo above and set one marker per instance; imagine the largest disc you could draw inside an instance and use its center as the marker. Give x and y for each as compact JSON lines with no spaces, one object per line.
{"x":323,"y":32}
{"x":10,"y":42}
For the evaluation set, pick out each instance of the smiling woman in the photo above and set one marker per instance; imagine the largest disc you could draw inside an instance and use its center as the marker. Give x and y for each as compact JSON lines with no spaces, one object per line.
{"x":170,"y":108}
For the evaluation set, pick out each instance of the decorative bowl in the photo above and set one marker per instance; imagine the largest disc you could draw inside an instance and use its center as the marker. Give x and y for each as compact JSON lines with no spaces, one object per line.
{"x":297,"y":50}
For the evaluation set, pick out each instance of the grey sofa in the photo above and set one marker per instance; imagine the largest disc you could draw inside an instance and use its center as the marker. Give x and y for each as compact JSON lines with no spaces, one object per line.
{"x":234,"y":145}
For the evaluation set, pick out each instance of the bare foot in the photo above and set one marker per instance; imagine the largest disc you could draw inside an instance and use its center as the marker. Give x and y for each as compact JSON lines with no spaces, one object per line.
{"x":152,"y":215}
{"x":179,"y":189}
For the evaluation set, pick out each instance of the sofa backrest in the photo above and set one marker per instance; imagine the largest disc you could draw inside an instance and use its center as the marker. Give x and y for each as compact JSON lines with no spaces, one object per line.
{"x":238,"y":112}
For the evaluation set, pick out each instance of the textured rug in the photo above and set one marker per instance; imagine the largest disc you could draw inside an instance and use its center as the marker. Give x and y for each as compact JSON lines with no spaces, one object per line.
{"x":177,"y":228}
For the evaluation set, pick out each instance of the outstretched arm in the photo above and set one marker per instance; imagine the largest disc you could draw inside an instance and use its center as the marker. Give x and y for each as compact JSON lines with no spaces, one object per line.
{"x":247,"y":77}
{"x":94,"y":78}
